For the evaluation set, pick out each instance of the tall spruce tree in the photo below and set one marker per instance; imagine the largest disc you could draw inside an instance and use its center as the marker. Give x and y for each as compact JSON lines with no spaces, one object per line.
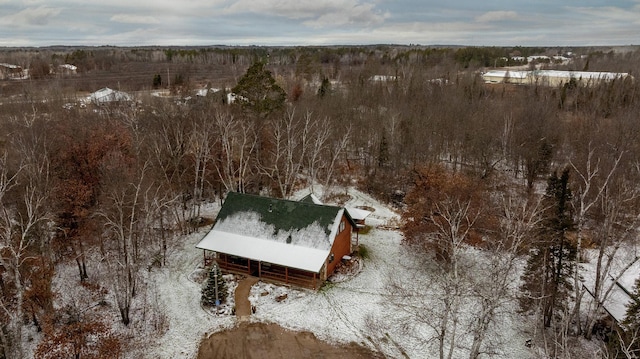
{"x":258,"y":91}
{"x":547,"y":282}
{"x":628,"y":338}
{"x":216,"y":288}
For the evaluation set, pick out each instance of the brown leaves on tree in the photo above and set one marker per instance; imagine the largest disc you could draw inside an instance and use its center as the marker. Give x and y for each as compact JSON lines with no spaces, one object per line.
{"x":38,"y":274}
{"x":86,"y":153}
{"x":444,"y":210}
{"x":78,"y":339}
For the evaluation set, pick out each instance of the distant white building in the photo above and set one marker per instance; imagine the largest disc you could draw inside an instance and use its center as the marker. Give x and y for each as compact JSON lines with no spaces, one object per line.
{"x":551,"y":77}
{"x":383,"y":78}
{"x":11,"y":71}
{"x":203,"y":92}
{"x":107,"y":95}
{"x":67,"y":69}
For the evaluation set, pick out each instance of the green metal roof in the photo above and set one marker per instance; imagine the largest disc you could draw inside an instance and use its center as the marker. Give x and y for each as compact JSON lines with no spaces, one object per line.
{"x":282,"y":214}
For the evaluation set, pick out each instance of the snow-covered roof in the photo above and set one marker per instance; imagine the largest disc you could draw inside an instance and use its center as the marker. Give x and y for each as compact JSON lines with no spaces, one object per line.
{"x":580,"y":74}
{"x":69,"y":67}
{"x":205,"y":91}
{"x":585,"y":75}
{"x":619,"y":297}
{"x":9,"y":66}
{"x":507,"y":74}
{"x":311,"y":198}
{"x":290,"y":233}
{"x":358,"y":214}
{"x":105,"y":95}
{"x":265,"y":250}
{"x":383,"y":78}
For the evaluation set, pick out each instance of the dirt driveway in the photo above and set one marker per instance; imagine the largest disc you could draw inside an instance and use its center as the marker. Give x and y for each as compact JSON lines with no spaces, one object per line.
{"x":270,"y":341}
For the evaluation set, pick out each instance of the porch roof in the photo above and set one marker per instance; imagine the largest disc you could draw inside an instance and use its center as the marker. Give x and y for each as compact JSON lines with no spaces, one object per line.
{"x":265,"y":250}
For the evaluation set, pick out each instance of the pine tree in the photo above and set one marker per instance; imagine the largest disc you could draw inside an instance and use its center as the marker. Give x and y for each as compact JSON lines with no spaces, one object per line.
{"x":632,"y":318}
{"x":383,"y":151}
{"x":325,"y":87}
{"x":258,"y":91}
{"x":216,"y":288}
{"x":547,"y":278}
{"x":629,"y":338}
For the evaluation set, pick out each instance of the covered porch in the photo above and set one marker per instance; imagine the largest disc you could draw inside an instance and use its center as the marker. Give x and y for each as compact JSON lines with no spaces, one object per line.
{"x":266,"y":271}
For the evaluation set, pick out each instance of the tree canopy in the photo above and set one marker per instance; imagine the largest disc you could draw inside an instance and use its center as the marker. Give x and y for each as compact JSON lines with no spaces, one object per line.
{"x":258,"y":91}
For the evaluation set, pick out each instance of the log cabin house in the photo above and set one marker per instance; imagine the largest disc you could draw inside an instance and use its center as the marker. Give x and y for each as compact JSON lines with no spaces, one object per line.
{"x":297,"y":243}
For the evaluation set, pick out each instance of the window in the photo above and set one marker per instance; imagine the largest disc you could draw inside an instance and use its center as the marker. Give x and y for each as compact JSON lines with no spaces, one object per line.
{"x":331,"y":257}
{"x":342,"y":225}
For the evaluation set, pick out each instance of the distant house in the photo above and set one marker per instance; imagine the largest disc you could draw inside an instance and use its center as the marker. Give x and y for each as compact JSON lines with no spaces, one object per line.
{"x":10,"y":71}
{"x":383,"y":78}
{"x":107,"y":95}
{"x":298,"y":243}
{"x":67,"y":69}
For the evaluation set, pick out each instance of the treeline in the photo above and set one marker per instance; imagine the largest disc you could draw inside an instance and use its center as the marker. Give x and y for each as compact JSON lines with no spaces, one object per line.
{"x":103,"y":58}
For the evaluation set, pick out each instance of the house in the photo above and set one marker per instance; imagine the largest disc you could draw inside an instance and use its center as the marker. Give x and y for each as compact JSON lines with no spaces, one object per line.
{"x":10,"y":71}
{"x":107,"y":95}
{"x":383,"y":78}
{"x":298,"y":243}
{"x":67,"y":69}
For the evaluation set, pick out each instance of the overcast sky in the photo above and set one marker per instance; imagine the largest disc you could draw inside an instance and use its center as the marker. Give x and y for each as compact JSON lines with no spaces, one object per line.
{"x":319,"y":22}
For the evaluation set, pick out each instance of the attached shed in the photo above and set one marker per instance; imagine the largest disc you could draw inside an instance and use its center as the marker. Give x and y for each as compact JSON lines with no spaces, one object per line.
{"x":292,"y":242}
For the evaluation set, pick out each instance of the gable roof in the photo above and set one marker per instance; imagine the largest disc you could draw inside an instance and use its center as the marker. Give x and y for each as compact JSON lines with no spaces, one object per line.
{"x":311,"y":198}
{"x":106,"y":95}
{"x":289,"y":233}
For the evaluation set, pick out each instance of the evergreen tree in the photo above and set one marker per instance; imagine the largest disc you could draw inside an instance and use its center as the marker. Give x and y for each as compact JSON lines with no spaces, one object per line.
{"x":383,"y":151}
{"x":157,"y":81}
{"x":258,"y":91}
{"x":216,"y":288}
{"x":325,"y":87}
{"x":628,"y":335}
{"x":631,"y":322}
{"x":547,"y":278}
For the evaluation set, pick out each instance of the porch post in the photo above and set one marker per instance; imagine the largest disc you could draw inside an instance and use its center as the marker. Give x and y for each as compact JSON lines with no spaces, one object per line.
{"x":248,"y":266}
{"x":259,"y":269}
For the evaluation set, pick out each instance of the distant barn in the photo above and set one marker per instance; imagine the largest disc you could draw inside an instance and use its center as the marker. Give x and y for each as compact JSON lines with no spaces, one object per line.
{"x":298,"y":243}
{"x":552,"y":78}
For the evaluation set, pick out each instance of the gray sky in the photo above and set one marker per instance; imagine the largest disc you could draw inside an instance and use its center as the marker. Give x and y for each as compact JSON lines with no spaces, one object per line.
{"x":319,"y":22}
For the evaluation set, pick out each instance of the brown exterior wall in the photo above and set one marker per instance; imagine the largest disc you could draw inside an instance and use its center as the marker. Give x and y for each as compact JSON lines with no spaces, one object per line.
{"x":341,"y":246}
{"x":267,"y":271}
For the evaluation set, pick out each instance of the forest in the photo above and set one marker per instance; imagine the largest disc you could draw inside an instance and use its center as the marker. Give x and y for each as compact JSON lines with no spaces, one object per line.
{"x":92,"y":195}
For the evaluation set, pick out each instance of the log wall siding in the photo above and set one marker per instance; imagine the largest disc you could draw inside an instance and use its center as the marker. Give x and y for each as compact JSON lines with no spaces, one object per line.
{"x":341,"y":247}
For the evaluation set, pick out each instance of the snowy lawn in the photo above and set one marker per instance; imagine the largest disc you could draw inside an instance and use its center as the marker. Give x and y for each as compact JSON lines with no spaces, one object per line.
{"x":354,"y":308}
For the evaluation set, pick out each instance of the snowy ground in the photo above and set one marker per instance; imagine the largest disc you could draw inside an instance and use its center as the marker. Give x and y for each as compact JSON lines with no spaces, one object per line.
{"x":351,"y":310}
{"x":180,"y":297}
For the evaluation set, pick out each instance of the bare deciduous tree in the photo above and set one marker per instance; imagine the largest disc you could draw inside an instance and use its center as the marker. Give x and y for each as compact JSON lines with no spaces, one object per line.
{"x":237,"y":141}
{"x":22,"y":220}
